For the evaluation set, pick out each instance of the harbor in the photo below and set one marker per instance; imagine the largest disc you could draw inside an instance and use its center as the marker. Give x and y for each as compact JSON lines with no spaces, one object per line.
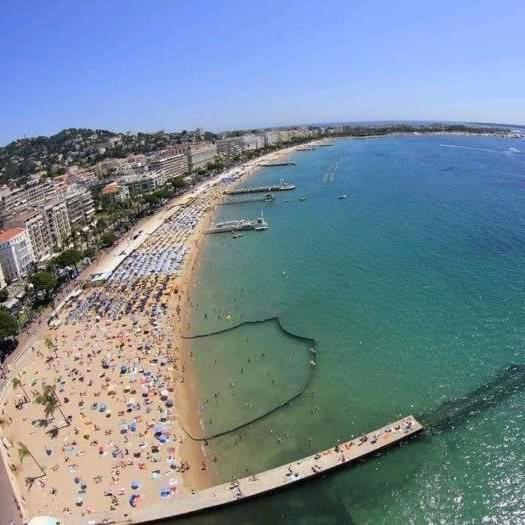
{"x":280,"y":477}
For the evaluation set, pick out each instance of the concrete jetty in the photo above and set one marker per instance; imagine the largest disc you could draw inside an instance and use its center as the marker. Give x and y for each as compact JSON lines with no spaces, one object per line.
{"x":269,"y":164}
{"x":261,"y":189}
{"x":280,"y":477}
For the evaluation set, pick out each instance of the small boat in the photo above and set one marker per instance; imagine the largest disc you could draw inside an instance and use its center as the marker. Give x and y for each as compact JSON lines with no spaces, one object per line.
{"x":343,"y":196}
{"x":302,"y":199}
{"x":236,"y":235}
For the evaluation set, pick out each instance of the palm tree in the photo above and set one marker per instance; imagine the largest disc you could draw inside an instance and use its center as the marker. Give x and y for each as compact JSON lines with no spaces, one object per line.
{"x":23,"y":452}
{"x":49,"y":400}
{"x":17,"y":383}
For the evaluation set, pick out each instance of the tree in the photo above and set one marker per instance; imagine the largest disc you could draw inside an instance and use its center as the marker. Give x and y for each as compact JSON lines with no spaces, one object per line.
{"x":44,"y":282}
{"x":8,"y":325}
{"x":17,"y":383}
{"x":49,"y":400}
{"x":24,"y":452}
{"x":89,"y":252}
{"x":4,"y":294}
{"x":107,"y":239}
{"x":70,"y":257}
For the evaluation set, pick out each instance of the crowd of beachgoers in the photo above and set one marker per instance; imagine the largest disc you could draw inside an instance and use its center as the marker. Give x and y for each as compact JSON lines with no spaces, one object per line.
{"x":112,"y":365}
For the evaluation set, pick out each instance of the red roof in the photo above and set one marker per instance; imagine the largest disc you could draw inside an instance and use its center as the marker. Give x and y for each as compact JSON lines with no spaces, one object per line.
{"x":8,"y":234}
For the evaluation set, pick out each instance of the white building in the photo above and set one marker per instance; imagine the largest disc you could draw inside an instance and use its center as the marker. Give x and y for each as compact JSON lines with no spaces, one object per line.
{"x":16,"y":254}
{"x":13,"y":201}
{"x":34,"y":223}
{"x":271,"y":138}
{"x":199,"y":155}
{"x":229,"y":146}
{"x":172,"y":166}
{"x":144,"y":183}
{"x":249,"y":142}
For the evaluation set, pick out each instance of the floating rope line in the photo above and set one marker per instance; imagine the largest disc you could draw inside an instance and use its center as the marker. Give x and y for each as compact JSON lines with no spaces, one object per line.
{"x":313,"y":369}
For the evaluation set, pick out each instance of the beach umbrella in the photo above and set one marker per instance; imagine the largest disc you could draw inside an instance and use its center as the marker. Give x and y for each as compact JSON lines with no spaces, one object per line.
{"x":165,"y":492}
{"x":158,"y":429}
{"x":135,"y":485}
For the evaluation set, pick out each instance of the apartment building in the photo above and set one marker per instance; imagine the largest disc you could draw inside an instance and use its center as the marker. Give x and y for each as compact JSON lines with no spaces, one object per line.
{"x":199,"y":155}
{"x":3,"y":283}
{"x":15,"y":200}
{"x":171,"y":165}
{"x":16,"y":254}
{"x":271,"y":138}
{"x":115,"y":192}
{"x":284,"y":135}
{"x":79,"y":204}
{"x":34,"y":223}
{"x":229,"y":146}
{"x":249,"y":142}
{"x":57,"y":221}
{"x":145,"y":183}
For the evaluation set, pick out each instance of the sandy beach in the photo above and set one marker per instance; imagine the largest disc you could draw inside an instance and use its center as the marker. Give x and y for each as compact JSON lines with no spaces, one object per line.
{"x":121,"y":383}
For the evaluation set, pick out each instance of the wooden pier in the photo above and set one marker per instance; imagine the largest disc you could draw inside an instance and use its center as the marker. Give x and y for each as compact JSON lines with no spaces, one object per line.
{"x":261,"y":189}
{"x":179,"y":505}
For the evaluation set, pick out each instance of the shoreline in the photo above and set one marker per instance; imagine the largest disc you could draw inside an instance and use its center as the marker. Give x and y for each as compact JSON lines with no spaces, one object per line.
{"x":188,"y":281}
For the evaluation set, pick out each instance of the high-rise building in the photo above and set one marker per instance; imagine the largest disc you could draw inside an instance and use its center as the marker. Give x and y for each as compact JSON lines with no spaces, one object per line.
{"x":79,"y":204}
{"x":57,"y":221}
{"x":34,"y":223}
{"x":249,"y":142}
{"x":199,"y":155}
{"x":171,"y":165}
{"x":15,"y":200}
{"x":229,"y":146}
{"x":271,"y":137}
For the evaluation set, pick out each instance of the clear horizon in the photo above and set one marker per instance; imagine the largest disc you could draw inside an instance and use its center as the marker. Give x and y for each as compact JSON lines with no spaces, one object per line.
{"x":122,"y":67}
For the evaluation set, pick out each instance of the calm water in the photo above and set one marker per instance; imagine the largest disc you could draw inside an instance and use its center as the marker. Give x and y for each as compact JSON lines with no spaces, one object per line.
{"x":414,"y":288}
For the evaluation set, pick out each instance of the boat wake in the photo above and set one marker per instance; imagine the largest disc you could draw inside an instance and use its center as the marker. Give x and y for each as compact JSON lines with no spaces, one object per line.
{"x":456,"y":146}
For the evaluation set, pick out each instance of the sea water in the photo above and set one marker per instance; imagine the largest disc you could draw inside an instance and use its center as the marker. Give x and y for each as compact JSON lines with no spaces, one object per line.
{"x":414,"y":289}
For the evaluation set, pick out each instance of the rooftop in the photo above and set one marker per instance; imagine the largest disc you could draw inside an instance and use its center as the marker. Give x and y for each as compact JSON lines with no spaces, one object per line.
{"x":7,"y":235}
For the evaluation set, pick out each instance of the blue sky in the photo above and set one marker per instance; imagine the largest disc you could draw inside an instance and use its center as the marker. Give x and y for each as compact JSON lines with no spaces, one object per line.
{"x":222,"y":64}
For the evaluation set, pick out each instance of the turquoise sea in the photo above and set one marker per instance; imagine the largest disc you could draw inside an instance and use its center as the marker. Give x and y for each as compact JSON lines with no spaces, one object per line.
{"x":414,"y":290}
